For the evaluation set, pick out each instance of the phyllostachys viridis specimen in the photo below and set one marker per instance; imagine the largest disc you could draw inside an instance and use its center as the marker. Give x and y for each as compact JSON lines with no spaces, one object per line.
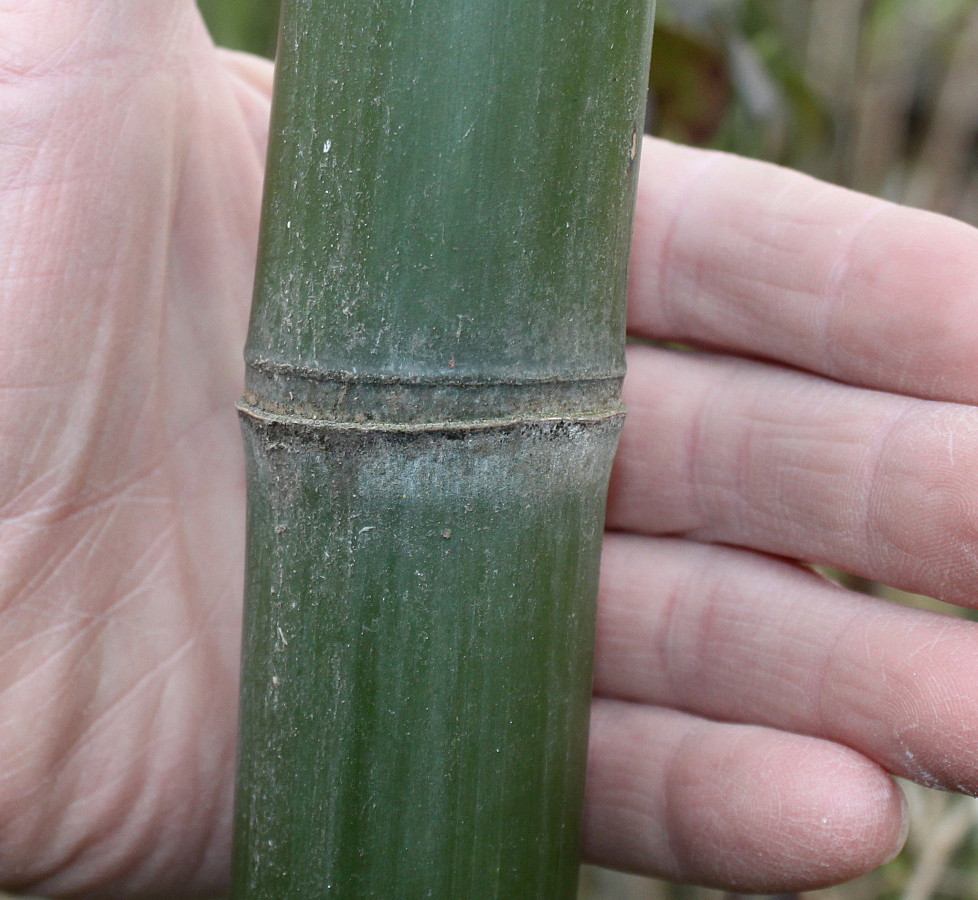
{"x":431,"y":409}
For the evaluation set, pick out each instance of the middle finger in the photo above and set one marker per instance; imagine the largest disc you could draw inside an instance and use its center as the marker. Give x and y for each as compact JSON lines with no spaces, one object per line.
{"x":738,"y":452}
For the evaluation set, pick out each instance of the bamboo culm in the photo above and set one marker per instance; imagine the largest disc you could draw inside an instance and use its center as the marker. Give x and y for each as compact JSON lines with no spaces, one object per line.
{"x":431,"y":409}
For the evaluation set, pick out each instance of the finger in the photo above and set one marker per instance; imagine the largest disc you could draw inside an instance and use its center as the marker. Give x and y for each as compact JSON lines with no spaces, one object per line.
{"x":766,"y":262}
{"x":730,"y":635}
{"x":737,"y":452}
{"x":734,"y":806}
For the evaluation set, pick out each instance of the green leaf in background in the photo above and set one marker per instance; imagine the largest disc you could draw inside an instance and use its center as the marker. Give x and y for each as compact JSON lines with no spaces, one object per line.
{"x":690,"y":84}
{"x":242,"y":24}
{"x":728,"y":75}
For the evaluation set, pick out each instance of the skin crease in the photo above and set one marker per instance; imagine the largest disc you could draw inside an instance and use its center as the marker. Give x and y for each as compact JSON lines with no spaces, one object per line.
{"x":747,"y":712}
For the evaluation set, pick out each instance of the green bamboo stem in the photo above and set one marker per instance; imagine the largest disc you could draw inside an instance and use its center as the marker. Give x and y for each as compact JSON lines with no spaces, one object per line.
{"x":434,"y":364}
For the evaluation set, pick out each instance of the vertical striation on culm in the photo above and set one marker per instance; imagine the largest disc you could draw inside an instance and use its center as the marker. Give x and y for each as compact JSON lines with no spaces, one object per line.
{"x":431,"y":409}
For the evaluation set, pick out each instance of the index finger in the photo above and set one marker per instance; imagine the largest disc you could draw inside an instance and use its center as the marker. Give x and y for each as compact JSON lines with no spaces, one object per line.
{"x":757,"y":260}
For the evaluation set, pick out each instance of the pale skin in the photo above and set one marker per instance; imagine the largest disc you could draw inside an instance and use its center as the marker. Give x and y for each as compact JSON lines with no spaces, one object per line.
{"x":748,"y":713}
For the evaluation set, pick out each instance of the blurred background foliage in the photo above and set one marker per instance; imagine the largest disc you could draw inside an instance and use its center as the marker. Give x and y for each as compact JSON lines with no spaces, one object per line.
{"x":879,"y":95}
{"x":248,"y":25}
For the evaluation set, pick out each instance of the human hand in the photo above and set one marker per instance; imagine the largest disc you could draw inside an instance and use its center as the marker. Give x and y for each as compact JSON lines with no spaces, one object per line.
{"x":747,"y":709}
{"x":130,"y":167}
{"x":130,"y":172}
